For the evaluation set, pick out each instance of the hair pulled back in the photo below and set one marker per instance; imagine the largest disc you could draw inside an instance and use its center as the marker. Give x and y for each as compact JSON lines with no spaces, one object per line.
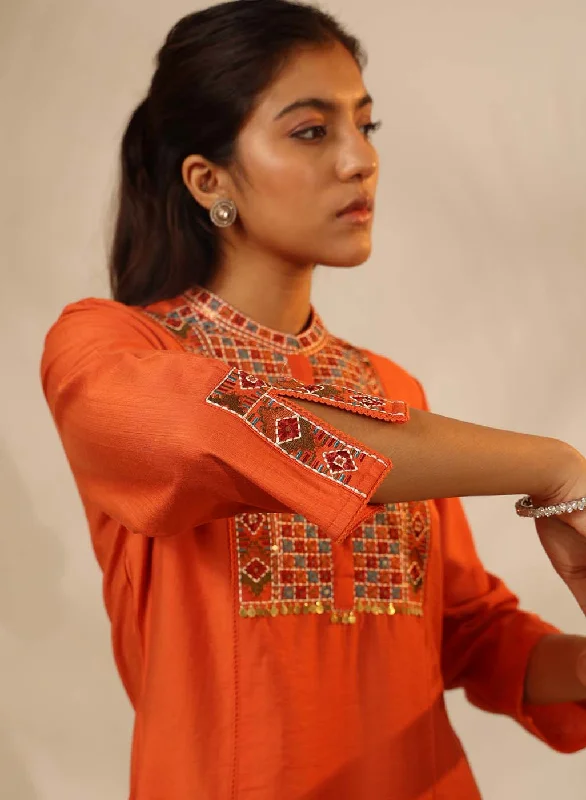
{"x":210,"y":70}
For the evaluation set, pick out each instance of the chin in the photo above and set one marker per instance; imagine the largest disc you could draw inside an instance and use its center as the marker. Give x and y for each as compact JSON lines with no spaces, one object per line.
{"x":347,"y":256}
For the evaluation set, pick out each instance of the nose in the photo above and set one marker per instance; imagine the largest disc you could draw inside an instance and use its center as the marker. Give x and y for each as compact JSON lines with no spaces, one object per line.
{"x":357,"y":158}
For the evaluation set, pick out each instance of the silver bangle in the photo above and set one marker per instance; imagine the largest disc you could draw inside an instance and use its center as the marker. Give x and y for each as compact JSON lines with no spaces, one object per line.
{"x":525,"y":508}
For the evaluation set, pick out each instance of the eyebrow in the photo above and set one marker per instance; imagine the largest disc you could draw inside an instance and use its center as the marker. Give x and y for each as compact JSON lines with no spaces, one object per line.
{"x":321,"y":105}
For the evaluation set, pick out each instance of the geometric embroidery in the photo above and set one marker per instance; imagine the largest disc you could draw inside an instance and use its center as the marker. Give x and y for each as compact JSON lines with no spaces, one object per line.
{"x":340,"y":461}
{"x":390,"y":554}
{"x":238,"y":393}
{"x":257,"y":573}
{"x":285,"y":563}
{"x":288,"y":429}
{"x":286,"y":386}
{"x":344,"y":398}
{"x":341,"y":363}
{"x":204,"y":336}
{"x":286,"y":566}
{"x":300,"y":438}
{"x":237,"y":324}
{"x":255,"y":568}
{"x":367,"y":401}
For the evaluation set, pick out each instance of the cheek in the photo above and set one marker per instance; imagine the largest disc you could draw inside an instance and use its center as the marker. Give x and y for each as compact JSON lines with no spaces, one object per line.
{"x":294,"y":188}
{"x":280,"y":175}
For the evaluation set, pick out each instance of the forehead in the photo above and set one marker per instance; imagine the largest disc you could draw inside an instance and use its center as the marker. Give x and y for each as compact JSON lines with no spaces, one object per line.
{"x":327,"y":72}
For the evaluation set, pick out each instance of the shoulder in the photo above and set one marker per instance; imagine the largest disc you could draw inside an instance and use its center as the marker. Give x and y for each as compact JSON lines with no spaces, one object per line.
{"x":103,"y":319}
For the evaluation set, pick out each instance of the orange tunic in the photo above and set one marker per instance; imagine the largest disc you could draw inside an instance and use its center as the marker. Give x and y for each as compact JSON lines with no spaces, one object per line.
{"x":278,"y":636}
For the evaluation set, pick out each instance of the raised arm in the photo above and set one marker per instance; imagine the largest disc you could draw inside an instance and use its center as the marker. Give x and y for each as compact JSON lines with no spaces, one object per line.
{"x":163,"y":440}
{"x":435,"y":456}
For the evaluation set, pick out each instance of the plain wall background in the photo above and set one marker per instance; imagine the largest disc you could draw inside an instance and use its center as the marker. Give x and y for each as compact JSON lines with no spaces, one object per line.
{"x":476,"y":285}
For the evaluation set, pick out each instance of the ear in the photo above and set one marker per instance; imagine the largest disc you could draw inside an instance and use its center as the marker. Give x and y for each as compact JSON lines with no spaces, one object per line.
{"x":203,"y":179}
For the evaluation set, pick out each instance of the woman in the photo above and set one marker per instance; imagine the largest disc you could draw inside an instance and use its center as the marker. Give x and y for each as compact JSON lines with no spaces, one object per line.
{"x":287,"y":604}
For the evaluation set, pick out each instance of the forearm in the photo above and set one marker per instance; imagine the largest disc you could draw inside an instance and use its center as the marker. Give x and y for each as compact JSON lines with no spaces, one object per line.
{"x":435,"y":456}
{"x":556,"y":672}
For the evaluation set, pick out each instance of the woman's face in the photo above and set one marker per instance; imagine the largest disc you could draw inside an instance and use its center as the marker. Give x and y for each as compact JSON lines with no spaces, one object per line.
{"x":306,"y":155}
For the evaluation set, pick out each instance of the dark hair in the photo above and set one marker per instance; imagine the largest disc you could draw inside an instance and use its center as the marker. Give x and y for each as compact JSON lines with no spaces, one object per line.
{"x":209,"y":72}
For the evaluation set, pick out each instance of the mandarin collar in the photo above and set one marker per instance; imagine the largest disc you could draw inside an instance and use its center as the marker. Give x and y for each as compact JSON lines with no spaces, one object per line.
{"x":212,"y":307}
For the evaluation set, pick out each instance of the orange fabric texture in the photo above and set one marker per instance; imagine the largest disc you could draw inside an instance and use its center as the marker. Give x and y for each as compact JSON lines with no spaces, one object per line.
{"x":278,"y":636}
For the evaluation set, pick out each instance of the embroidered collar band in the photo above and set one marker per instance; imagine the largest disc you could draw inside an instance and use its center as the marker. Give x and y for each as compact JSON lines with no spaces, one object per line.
{"x":213,"y":307}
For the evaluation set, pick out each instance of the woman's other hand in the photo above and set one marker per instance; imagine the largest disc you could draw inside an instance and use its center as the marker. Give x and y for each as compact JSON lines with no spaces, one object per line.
{"x":564,"y":537}
{"x":564,"y":541}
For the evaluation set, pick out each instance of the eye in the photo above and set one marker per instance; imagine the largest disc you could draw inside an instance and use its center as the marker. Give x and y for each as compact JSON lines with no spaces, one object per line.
{"x":316,"y":132}
{"x":370,"y":128}
{"x":320,"y":130}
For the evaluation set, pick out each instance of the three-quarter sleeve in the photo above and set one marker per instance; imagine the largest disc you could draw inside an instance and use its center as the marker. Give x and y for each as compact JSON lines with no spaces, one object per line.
{"x":164,"y":440}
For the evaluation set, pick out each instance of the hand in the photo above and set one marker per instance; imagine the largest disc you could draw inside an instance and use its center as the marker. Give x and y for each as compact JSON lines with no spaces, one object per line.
{"x":564,"y":540}
{"x":556,"y":670}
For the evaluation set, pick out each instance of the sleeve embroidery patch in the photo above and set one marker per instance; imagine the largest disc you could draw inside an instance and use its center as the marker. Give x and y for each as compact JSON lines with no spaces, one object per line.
{"x":261,"y":406}
{"x":369,"y":405}
{"x":238,"y":392}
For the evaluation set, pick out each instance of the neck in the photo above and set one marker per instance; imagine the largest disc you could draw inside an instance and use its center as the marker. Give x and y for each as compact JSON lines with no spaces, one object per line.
{"x":272,"y":292}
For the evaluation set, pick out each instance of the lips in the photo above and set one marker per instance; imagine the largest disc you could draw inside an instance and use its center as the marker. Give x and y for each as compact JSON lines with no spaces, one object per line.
{"x":359,"y":204}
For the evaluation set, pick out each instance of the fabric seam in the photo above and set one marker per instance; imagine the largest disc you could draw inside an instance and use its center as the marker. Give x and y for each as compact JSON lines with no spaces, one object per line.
{"x":235,"y":643}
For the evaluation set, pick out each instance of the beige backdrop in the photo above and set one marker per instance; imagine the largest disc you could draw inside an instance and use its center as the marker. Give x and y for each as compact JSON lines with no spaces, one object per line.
{"x":476,"y":285}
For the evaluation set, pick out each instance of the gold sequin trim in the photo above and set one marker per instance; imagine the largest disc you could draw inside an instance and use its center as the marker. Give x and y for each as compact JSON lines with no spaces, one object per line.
{"x":343,"y":617}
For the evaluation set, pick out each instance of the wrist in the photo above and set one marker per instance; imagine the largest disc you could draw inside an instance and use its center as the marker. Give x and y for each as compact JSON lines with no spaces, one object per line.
{"x":564,"y":477}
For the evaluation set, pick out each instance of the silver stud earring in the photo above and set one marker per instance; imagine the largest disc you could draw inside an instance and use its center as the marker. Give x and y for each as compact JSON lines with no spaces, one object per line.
{"x":223,"y":213}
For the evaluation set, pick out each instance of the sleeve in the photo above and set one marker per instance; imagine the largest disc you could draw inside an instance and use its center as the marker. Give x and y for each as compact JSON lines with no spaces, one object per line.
{"x":163,"y":440}
{"x":487,"y":639}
